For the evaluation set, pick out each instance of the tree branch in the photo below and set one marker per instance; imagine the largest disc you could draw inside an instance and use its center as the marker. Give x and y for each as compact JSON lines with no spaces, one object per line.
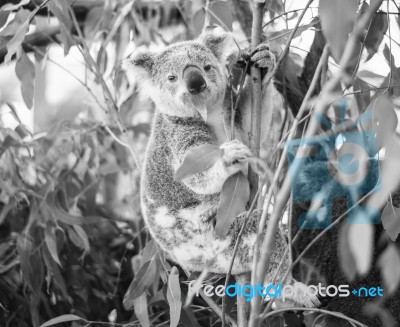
{"x":257,"y":277}
{"x":254,"y":140}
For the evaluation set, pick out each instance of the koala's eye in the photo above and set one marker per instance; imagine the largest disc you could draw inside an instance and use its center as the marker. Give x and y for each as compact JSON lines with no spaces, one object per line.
{"x":207,"y":68}
{"x":172,"y":78}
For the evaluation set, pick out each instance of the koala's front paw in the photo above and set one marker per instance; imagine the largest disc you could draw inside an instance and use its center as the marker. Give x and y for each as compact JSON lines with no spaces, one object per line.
{"x":262,"y":57}
{"x":235,"y":155}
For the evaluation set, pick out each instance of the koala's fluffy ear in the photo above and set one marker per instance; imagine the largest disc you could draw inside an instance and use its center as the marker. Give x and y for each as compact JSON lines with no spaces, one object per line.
{"x":140,"y":64}
{"x":217,"y":43}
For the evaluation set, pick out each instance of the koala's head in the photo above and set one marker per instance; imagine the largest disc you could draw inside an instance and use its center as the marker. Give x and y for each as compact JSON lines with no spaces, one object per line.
{"x":185,"y":78}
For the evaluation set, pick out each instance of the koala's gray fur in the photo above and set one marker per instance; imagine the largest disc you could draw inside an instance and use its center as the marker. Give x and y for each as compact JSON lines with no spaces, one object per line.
{"x":181,"y":214}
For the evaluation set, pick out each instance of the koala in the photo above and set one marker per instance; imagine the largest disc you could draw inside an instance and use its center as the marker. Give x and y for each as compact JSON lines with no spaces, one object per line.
{"x":187,"y":82}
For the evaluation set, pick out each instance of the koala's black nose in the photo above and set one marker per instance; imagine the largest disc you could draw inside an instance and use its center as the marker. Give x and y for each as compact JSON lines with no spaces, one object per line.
{"x":195,"y":81}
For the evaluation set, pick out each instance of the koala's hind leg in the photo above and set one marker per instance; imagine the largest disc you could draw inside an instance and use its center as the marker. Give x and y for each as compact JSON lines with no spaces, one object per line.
{"x":245,"y":251}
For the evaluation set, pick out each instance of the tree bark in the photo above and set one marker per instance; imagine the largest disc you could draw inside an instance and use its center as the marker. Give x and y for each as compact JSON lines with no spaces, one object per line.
{"x":254,"y":138}
{"x":254,"y":141}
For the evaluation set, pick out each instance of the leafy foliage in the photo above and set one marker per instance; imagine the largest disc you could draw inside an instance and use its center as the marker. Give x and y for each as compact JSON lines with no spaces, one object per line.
{"x":71,"y":251}
{"x":234,"y":196}
{"x":337,"y":20}
{"x":361,"y":246}
{"x":390,"y":216}
{"x":49,"y":230}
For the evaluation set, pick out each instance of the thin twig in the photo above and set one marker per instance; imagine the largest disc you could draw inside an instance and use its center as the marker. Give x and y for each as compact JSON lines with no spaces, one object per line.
{"x":390,"y":47}
{"x":133,"y":154}
{"x":290,"y":240}
{"x":359,"y":58}
{"x":371,"y":89}
{"x":34,"y":12}
{"x":284,"y":14}
{"x":92,"y":64}
{"x":84,"y":84}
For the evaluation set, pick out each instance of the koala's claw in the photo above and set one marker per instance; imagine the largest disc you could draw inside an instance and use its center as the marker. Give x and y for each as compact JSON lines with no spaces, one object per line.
{"x":261,"y":47}
{"x":235,"y":152}
{"x":261,"y":57}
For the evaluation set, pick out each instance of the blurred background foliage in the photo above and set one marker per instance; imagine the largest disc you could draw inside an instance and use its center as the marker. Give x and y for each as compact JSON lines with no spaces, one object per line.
{"x":73,"y":133}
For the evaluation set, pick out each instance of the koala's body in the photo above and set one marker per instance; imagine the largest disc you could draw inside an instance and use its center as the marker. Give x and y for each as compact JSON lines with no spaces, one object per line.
{"x":187,"y":83}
